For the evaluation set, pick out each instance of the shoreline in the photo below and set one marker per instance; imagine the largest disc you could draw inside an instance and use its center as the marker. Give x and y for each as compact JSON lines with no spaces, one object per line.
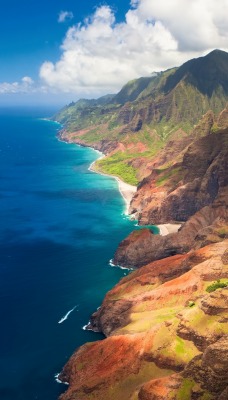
{"x":126,"y":190}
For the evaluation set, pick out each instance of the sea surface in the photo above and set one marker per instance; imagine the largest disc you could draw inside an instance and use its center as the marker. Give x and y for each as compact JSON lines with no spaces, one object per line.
{"x":60,"y":225}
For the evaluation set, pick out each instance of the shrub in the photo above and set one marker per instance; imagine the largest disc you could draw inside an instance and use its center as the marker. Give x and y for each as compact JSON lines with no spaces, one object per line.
{"x":216,"y":285}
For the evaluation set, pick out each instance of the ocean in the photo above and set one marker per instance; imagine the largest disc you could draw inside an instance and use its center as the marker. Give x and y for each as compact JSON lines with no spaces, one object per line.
{"x":60,"y":224}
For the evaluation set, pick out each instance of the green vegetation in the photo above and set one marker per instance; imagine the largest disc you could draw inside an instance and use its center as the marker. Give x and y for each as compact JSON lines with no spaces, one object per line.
{"x":179,"y":350}
{"x":185,"y":391}
{"x":223,"y":231}
{"x":169,"y":174}
{"x":216,"y":285}
{"x":202,"y":324}
{"x":133,"y":89}
{"x":150,"y":111}
{"x":118,"y":165}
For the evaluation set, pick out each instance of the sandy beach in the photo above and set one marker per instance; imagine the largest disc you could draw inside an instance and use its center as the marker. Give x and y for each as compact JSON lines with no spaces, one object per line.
{"x":127,"y":191}
{"x":165,"y":229}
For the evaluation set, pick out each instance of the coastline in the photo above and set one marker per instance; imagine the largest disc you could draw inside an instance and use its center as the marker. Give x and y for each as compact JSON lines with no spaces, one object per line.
{"x":126,"y":190}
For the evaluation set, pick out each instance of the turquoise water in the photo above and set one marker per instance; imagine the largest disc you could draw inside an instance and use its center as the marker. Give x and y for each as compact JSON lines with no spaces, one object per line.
{"x":60,"y":226}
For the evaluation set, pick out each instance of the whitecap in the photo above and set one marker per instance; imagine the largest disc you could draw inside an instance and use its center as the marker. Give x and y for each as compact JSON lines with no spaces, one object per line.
{"x":66,"y":315}
{"x":85,"y":327}
{"x":58,"y":380}
{"x":119,"y":266}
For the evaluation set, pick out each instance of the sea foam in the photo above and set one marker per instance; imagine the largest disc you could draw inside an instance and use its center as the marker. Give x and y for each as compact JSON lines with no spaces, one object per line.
{"x":58,"y":380}
{"x":119,"y":266}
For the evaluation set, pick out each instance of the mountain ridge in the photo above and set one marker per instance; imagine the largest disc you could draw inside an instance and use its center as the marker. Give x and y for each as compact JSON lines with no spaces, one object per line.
{"x":162,"y":107}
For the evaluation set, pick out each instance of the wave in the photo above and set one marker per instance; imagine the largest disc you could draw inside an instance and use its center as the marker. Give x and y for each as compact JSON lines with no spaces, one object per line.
{"x":58,"y":380}
{"x":66,"y":316}
{"x":85,"y":327}
{"x":119,"y":266}
{"x":111,"y":263}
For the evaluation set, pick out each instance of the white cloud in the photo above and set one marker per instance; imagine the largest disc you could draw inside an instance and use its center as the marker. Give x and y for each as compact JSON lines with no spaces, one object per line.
{"x":65,"y":15}
{"x":27,"y":80}
{"x":197,"y":25}
{"x":100,"y":55}
{"x":25,"y":85}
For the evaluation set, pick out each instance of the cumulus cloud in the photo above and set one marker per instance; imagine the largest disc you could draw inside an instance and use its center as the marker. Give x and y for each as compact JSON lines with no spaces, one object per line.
{"x":100,"y":55}
{"x":196,"y":25}
{"x":65,"y":15}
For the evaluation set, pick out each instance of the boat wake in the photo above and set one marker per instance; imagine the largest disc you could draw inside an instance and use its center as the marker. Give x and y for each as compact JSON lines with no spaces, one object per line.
{"x":66,"y":316}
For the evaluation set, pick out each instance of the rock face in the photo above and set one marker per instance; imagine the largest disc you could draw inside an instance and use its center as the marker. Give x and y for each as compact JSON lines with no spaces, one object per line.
{"x":178,"y":192}
{"x":167,"y":335}
{"x":195,"y":191}
{"x":206,"y":226}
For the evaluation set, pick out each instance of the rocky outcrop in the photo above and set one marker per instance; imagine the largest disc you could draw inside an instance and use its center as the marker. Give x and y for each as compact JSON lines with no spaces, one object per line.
{"x":203,"y":128}
{"x":210,"y":369}
{"x":222,"y":121}
{"x":208,"y":225}
{"x":195,"y":190}
{"x":178,"y":192}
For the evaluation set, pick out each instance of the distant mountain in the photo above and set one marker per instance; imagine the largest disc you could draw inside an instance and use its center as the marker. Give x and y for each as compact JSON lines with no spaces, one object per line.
{"x":78,"y":114}
{"x":148,"y":112}
{"x":207,"y":74}
{"x":132,"y":90}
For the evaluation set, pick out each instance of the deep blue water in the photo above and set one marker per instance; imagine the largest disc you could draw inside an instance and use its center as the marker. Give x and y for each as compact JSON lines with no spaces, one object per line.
{"x":59,"y":227}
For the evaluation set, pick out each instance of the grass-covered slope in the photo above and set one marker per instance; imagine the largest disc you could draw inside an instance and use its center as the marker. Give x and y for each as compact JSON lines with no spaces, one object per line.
{"x":148,"y":112}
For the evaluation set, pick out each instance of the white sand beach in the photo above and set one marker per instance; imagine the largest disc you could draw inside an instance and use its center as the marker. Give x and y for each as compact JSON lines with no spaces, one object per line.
{"x":165,"y":229}
{"x":127,"y":191}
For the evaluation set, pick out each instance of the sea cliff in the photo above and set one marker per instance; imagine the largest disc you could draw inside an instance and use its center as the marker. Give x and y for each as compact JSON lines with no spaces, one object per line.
{"x":166,"y":323}
{"x":166,"y":328}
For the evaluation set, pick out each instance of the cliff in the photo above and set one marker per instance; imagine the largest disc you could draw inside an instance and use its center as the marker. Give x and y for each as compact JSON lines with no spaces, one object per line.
{"x":167,"y":334}
{"x":166,"y":323}
{"x":194,"y":192}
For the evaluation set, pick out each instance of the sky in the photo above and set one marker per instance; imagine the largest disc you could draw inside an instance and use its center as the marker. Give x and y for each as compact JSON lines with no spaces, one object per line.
{"x":56,"y":52}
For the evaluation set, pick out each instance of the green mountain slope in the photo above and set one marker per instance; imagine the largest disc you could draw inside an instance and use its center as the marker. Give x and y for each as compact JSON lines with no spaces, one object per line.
{"x":148,"y":112}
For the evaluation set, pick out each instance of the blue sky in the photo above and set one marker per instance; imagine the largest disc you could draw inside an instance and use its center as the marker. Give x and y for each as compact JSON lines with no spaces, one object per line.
{"x":63,"y":50}
{"x":30,"y":32}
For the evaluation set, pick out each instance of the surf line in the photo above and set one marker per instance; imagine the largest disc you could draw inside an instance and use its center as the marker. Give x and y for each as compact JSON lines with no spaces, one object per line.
{"x":67,"y":314}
